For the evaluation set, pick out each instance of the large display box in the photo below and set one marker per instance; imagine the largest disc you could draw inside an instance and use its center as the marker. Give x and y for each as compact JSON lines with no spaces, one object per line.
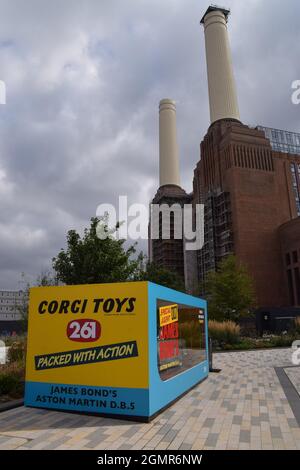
{"x":125,"y":349}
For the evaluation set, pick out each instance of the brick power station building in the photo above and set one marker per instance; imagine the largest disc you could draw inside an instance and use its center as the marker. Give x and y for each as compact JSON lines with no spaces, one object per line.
{"x":247,"y":178}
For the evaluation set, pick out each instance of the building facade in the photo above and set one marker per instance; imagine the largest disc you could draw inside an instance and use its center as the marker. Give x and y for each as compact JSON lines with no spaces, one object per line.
{"x":249,"y":182}
{"x":282,"y":141}
{"x":169,"y":251}
{"x":249,"y":191}
{"x":10,"y":301}
{"x":289,"y":234}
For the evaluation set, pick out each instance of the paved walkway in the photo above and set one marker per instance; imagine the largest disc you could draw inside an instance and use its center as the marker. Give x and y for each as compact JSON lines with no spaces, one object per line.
{"x":294,"y":376}
{"x":242,"y":407}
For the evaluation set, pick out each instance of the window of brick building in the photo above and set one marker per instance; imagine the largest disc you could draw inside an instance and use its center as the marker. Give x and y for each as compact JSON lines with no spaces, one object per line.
{"x":296,"y":186}
{"x":295,"y":257}
{"x":297,"y":282}
{"x":291,"y":287}
{"x":287,"y":259}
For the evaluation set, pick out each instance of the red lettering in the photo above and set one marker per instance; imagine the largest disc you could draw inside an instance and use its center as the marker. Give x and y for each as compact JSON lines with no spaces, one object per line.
{"x":168,"y":349}
{"x":169,"y":331}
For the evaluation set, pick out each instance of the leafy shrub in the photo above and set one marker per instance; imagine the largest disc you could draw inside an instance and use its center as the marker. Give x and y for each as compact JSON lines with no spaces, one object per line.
{"x":226,"y":332}
{"x":297,"y":325}
{"x":190,"y":333}
{"x":8,"y":383}
{"x":17,"y":351}
{"x":282,"y":341}
{"x":9,"y":340}
{"x":12,"y":379}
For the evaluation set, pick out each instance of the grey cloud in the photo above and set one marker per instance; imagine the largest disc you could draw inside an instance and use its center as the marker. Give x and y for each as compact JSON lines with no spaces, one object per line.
{"x":84,"y":80}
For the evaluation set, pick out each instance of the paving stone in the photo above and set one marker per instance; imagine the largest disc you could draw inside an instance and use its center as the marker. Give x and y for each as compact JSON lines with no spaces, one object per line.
{"x":245,"y":436}
{"x":292,"y":423}
{"x":231,"y":408}
{"x":237,"y":420}
{"x":276,"y":432}
{"x":125,"y":447}
{"x":255,"y":420}
{"x":54,"y":444}
{"x":196,"y":413}
{"x":264,"y":417}
{"x":185,"y":446}
{"x":211,"y":440}
{"x":170,"y":436}
{"x":130,"y":432}
{"x":4,"y":439}
{"x":41,"y":439}
{"x":208,"y":423}
{"x":242,"y":407}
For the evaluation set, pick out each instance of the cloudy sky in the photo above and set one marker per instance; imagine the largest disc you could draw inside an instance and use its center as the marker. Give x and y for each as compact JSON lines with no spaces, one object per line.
{"x":84,"y":80}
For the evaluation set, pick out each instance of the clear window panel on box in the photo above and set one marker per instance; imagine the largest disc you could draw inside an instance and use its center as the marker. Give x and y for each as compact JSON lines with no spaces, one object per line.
{"x":180,"y":338}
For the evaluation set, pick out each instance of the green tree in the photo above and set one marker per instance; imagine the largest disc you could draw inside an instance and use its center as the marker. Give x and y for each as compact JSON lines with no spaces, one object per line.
{"x":229,"y":291}
{"x":46,"y":278}
{"x":93,"y":258}
{"x":153,"y":272}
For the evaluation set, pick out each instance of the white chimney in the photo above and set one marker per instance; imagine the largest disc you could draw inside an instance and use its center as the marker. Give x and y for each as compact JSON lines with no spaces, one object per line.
{"x":221,"y":84}
{"x":168,"y":149}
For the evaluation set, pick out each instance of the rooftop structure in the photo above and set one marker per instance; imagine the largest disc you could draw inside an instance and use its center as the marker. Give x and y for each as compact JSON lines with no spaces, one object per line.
{"x":212,"y":8}
{"x":282,"y":141}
